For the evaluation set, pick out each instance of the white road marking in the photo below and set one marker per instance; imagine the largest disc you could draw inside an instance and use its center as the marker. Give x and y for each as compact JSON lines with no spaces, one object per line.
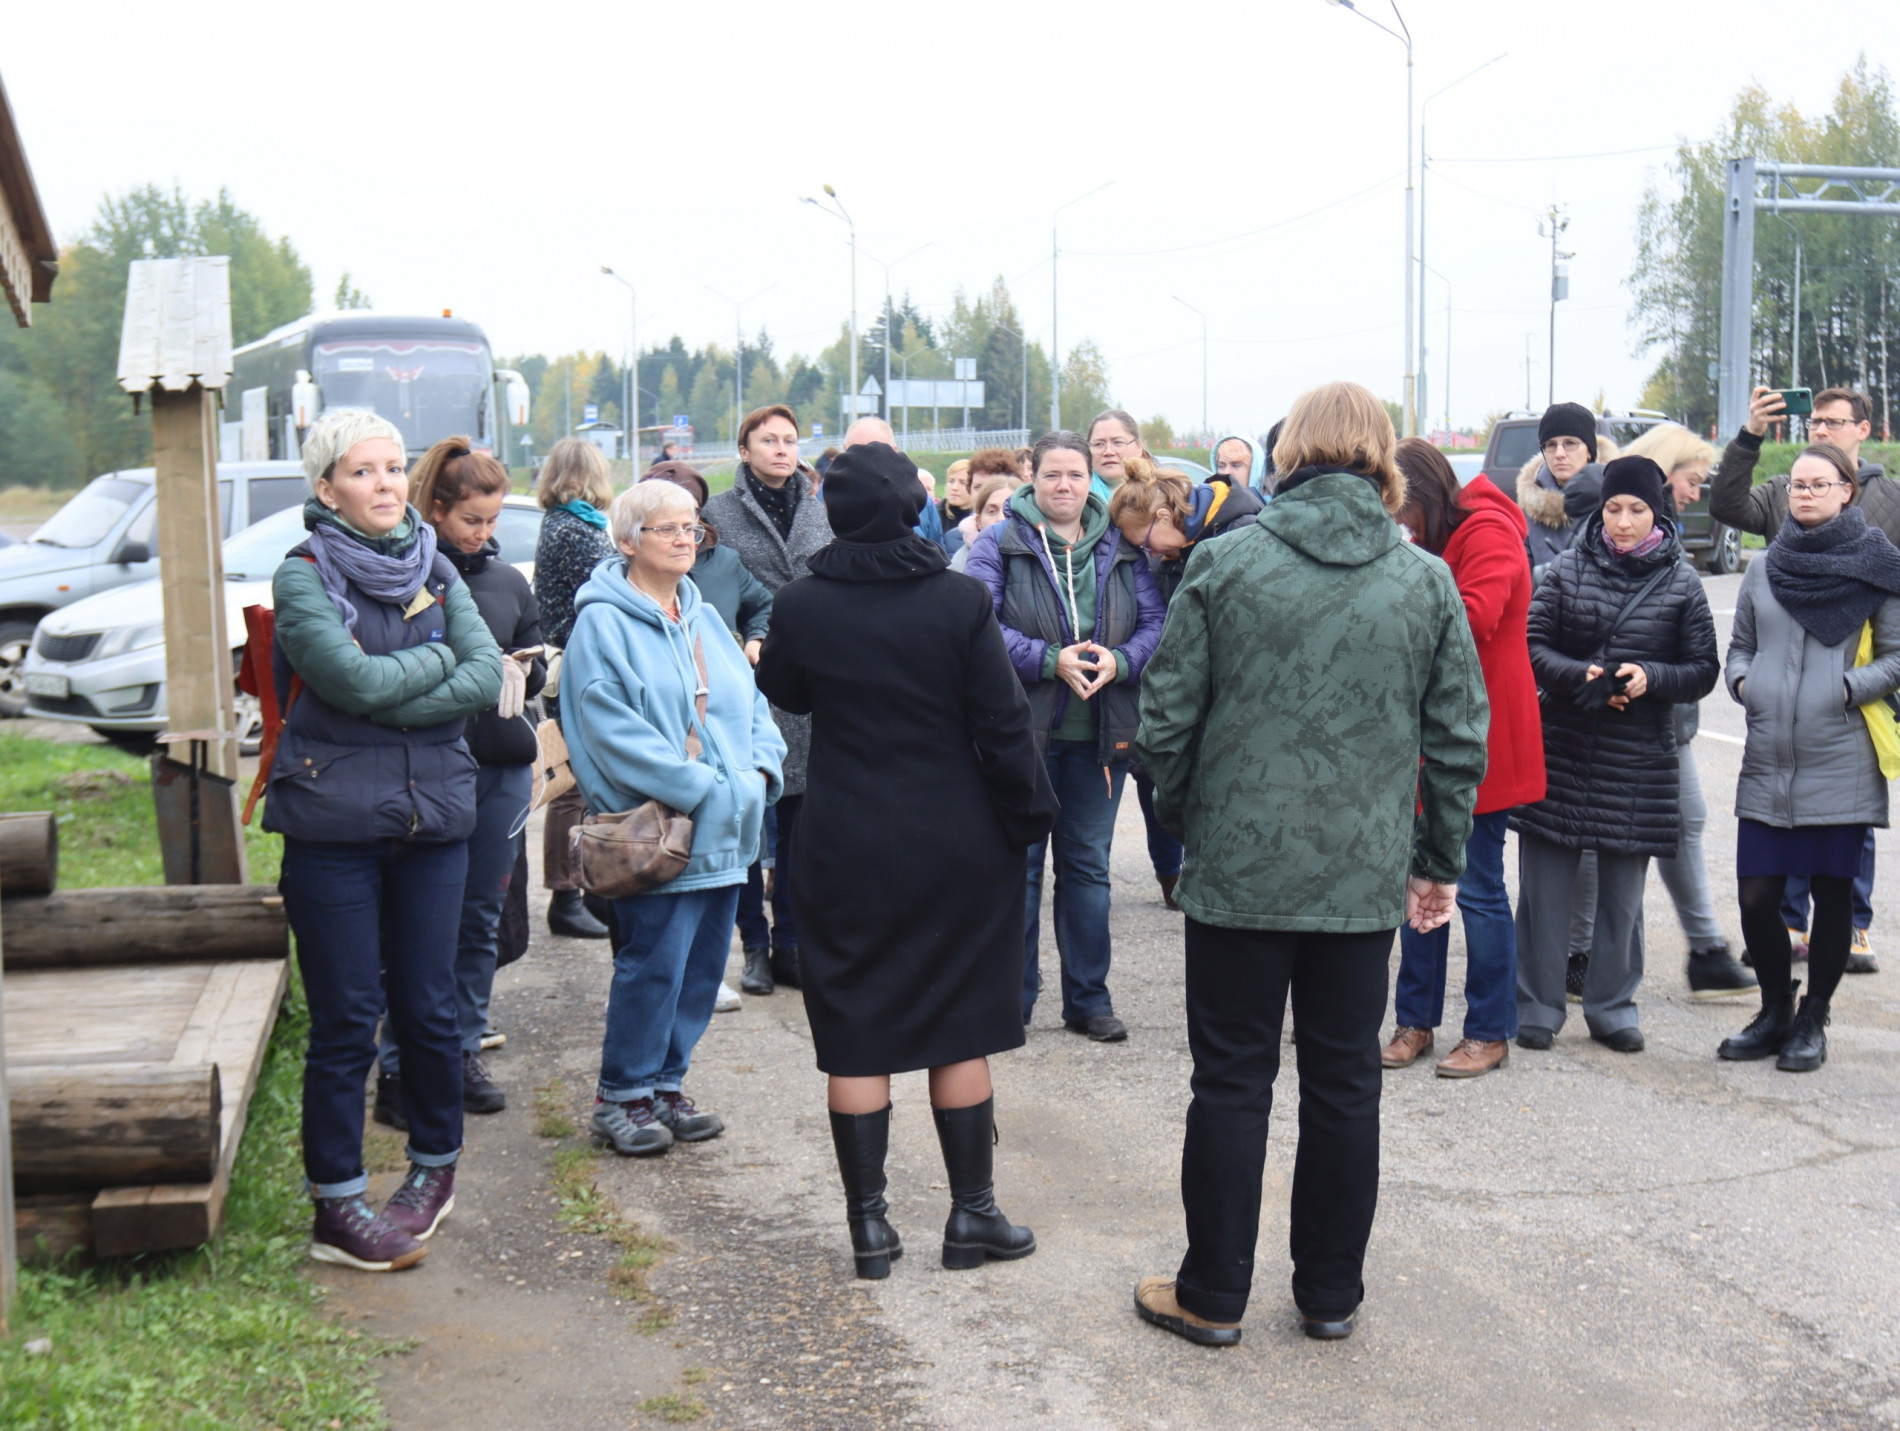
{"x":1717,"y":735}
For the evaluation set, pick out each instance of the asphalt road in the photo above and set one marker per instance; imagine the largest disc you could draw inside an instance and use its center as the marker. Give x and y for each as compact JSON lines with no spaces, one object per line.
{"x":1583,"y":1239}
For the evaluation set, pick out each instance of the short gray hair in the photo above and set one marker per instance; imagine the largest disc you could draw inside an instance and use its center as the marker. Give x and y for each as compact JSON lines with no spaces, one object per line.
{"x":333,"y":435}
{"x":641,"y":503}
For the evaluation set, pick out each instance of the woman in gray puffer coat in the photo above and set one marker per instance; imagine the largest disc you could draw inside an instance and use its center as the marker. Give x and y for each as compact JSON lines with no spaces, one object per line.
{"x":1811,"y":781}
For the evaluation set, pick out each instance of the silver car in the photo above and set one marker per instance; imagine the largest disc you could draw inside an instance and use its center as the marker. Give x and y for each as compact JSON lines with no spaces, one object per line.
{"x":100,"y":662}
{"x":106,"y":536}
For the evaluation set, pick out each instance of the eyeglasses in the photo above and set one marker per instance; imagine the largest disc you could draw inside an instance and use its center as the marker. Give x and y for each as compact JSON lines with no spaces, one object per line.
{"x":1113,"y":444}
{"x":1564,"y":444}
{"x":1811,"y":489}
{"x":1832,"y":424}
{"x":671,"y":531}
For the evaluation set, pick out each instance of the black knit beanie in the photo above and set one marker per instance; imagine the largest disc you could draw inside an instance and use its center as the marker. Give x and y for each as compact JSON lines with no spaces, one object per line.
{"x":872,"y":494}
{"x":1569,"y":419}
{"x":1636,"y":477}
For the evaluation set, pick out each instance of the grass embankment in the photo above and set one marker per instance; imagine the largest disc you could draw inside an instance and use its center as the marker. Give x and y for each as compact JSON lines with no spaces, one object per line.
{"x":1778,"y":457}
{"x":230,"y":1335}
{"x":20,"y":505}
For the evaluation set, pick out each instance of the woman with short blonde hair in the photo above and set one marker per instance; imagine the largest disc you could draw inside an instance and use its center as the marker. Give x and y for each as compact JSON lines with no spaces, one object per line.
{"x":1340,"y":427}
{"x":575,"y":470}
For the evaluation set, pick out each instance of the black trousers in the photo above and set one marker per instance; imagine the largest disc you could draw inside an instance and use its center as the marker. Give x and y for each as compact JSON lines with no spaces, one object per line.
{"x":1237,"y":983}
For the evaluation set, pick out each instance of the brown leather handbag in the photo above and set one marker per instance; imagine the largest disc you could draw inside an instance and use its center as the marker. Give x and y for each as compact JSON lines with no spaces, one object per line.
{"x":615,"y":856}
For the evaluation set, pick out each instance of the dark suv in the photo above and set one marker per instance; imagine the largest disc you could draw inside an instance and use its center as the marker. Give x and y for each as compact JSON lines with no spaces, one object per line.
{"x":1514,"y":442}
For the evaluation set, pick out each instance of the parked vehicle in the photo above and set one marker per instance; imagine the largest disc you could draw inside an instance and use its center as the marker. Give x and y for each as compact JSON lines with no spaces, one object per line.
{"x":106,"y":537}
{"x":1716,"y":548}
{"x":1465,"y":465}
{"x":1187,"y":467}
{"x":434,"y":377}
{"x":100,"y":662}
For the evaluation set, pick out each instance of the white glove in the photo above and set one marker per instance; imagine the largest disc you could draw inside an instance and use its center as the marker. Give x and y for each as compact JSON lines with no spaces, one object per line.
{"x":514,"y":690}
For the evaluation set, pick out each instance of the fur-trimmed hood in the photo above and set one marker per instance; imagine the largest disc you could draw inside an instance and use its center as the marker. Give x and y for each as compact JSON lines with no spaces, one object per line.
{"x":1559,"y":507}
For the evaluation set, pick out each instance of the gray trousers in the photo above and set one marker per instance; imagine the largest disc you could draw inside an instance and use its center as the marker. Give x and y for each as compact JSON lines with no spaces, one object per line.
{"x":1686,"y":877}
{"x":1546,"y":882}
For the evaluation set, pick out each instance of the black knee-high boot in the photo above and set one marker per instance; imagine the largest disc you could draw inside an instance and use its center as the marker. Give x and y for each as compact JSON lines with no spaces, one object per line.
{"x":976,"y":1229}
{"x":862,"y":1140}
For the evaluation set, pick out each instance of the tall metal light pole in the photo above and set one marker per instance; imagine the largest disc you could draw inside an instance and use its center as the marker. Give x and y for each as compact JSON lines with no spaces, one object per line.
{"x":1558,"y":221}
{"x":840,"y":212}
{"x":738,"y":352}
{"x":1205,"y":432}
{"x":1421,"y":347}
{"x":1411,"y":412}
{"x":633,"y":369}
{"x":1424,"y":168}
{"x":887,"y":267}
{"x":1055,"y":310}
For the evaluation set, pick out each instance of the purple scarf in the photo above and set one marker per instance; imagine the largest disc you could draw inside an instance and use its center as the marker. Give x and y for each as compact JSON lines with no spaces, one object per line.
{"x":1657,"y":536}
{"x":393,"y":575}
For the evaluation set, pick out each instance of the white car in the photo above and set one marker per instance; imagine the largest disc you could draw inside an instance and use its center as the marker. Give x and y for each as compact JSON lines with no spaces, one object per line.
{"x":101,"y":661}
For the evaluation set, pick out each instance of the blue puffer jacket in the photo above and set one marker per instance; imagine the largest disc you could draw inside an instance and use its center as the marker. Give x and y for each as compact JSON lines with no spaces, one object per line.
{"x":627,"y":691}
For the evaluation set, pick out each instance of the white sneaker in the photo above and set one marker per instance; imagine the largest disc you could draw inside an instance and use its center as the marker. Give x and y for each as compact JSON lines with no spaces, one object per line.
{"x":728,"y":1000}
{"x":493,"y":1038}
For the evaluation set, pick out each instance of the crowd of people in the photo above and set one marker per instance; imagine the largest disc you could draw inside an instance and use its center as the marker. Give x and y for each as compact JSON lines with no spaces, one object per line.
{"x":855,"y":724}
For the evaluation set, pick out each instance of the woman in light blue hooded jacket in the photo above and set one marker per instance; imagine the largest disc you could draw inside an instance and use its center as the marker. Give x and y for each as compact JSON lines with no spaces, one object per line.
{"x":628,"y":687}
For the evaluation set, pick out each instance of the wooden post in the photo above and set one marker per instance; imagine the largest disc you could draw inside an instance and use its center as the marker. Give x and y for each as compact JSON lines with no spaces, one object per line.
{"x":9,"y":1252}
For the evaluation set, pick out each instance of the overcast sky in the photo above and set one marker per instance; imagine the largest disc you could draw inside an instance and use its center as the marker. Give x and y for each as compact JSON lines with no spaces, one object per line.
{"x":481,"y":157}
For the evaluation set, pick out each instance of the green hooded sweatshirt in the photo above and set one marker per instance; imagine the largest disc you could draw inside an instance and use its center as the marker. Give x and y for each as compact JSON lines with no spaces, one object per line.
{"x":1314,"y":720}
{"x":1073,"y":562}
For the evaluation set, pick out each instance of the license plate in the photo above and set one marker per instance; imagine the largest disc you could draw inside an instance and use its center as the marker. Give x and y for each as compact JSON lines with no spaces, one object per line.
{"x":58,"y":687}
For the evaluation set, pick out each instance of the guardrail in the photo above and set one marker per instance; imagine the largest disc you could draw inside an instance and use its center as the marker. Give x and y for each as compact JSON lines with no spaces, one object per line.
{"x":943,"y":439}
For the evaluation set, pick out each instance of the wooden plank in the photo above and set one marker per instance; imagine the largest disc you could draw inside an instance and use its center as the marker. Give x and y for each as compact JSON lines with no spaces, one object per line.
{"x":9,"y":1247}
{"x":29,"y":852}
{"x":127,"y":1220}
{"x":48,"y":1226}
{"x":146,"y":924}
{"x":133,"y":1014}
{"x":198,"y":678}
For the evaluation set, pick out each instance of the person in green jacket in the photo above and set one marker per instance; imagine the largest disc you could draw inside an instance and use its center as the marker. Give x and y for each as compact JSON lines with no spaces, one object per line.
{"x":1314,"y":722}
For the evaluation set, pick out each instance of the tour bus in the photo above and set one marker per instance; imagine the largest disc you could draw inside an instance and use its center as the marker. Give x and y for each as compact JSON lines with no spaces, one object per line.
{"x":432,"y":377}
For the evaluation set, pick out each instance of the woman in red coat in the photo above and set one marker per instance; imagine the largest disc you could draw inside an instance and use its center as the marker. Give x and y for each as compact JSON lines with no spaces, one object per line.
{"x":1480,"y":533}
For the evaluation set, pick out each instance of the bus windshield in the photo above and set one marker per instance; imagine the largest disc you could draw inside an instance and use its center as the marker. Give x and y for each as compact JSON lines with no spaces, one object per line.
{"x":431,"y":389}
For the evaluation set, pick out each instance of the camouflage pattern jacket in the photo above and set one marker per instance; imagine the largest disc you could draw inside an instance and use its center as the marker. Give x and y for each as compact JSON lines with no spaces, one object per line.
{"x":1315,"y":718}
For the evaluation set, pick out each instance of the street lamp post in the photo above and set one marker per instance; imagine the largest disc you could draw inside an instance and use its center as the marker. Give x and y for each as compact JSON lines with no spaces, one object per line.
{"x":633,"y":368}
{"x":1421,"y":347}
{"x":1411,"y":417}
{"x":1559,"y":285}
{"x":1205,"y":432}
{"x":840,"y":212}
{"x":1055,"y":311}
{"x":1424,"y":170}
{"x":887,"y":267}
{"x":738,"y":353}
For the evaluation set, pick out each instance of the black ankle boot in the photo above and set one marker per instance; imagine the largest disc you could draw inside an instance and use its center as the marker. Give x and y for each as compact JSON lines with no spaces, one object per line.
{"x":757,"y":978}
{"x":568,"y":916}
{"x":861,"y":1140}
{"x":976,"y":1229}
{"x":1767,"y":1031}
{"x":783,"y":966}
{"x":1806,"y":1048}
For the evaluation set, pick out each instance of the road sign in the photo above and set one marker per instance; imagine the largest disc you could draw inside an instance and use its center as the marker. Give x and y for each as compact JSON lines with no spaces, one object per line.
{"x":680,"y":419}
{"x":935,"y":392}
{"x":870,"y":388}
{"x":859,"y":406}
{"x":817,"y":429}
{"x":966,"y":370}
{"x":590,"y":412}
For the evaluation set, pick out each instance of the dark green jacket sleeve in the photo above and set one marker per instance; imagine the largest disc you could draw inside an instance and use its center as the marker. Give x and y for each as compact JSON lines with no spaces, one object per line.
{"x":475,"y":682}
{"x":1734,"y":499}
{"x":1454,"y":718}
{"x":755,"y":607}
{"x":323,"y":652}
{"x":1175,"y":694}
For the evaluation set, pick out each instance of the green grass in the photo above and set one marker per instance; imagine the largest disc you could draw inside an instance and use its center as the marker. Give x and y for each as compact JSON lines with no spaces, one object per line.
{"x":1778,"y":457}
{"x":231,"y":1335}
{"x":674,"y":1408}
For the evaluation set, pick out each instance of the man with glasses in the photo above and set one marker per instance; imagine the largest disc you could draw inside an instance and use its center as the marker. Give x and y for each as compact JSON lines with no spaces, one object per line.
{"x":1842,"y":418}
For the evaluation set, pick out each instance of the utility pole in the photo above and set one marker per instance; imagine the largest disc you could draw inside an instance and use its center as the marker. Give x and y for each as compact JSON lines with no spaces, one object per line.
{"x":1055,"y":310}
{"x":1557,"y":220}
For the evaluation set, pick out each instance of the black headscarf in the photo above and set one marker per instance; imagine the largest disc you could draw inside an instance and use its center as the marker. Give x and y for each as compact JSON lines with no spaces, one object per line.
{"x":780,"y":503}
{"x":873,"y":497}
{"x":1833,"y":577}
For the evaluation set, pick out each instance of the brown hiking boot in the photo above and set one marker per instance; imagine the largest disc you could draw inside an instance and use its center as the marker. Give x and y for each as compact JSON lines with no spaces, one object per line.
{"x":1154,"y":1300}
{"x":1407,"y":1046}
{"x":1474,"y":1057}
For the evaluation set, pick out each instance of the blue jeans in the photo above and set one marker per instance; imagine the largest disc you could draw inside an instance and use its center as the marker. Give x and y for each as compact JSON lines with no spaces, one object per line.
{"x":754,"y":932}
{"x":1490,"y":947}
{"x":1794,"y":903}
{"x":1164,"y":851}
{"x":1084,"y":834}
{"x":502,"y":793}
{"x":369,"y":917}
{"x":666,"y":977}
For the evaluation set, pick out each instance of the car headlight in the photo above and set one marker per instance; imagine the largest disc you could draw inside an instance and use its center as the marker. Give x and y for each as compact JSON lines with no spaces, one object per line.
{"x":130,"y":638}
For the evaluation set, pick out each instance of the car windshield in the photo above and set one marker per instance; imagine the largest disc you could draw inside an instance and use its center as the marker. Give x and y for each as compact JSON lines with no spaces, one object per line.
{"x":84,"y":521}
{"x":257,"y":551}
{"x":430,"y":390}
{"x":1516,"y":446}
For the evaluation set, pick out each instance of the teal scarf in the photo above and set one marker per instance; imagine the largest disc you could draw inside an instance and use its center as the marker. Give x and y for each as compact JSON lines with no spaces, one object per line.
{"x":587,"y":512}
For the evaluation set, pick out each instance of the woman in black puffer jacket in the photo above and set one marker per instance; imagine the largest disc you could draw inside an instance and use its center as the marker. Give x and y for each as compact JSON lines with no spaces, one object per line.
{"x":1620,"y":634}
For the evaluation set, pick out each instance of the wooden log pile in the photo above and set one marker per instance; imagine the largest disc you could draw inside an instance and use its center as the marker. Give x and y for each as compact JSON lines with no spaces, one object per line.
{"x":136,"y":1021}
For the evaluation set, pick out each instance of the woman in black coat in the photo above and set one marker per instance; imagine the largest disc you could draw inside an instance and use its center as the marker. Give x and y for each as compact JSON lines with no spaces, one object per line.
{"x":1620,"y":634}
{"x":925,"y":793}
